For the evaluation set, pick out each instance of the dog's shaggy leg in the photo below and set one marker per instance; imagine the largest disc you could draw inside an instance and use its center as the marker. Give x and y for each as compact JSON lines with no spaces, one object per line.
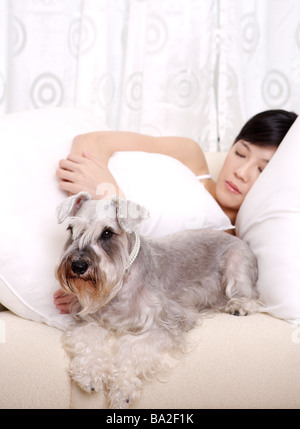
{"x":124,"y":390}
{"x":85,"y":344}
{"x":241,"y":277}
{"x":138,"y":357}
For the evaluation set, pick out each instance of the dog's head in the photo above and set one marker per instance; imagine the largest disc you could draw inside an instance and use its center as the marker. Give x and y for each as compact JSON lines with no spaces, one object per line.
{"x":97,"y":251}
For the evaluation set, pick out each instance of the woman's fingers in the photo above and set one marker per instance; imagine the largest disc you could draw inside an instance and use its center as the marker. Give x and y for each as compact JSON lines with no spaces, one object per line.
{"x":64,"y":174}
{"x":86,"y":173}
{"x":63,"y":301}
{"x":67,"y":164}
{"x":76,"y":159}
{"x":70,"y":187}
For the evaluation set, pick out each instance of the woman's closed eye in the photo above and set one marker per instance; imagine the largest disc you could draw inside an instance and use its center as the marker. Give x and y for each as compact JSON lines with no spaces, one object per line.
{"x":261,"y":168}
{"x":240,"y":154}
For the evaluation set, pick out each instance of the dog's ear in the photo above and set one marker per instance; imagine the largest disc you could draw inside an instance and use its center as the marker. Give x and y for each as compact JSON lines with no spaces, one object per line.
{"x":129,"y":214}
{"x":71,"y":205}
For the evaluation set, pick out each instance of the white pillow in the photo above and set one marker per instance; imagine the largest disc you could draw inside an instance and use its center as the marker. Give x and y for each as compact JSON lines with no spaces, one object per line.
{"x":174,"y":197}
{"x":269,"y":220}
{"x":31,"y":240}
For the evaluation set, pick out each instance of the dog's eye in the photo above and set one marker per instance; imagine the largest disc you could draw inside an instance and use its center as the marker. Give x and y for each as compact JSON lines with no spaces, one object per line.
{"x":70,"y":229}
{"x":106,"y":234}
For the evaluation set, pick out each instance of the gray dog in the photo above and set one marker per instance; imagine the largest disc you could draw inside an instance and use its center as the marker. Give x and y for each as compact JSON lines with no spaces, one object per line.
{"x":138,"y":295}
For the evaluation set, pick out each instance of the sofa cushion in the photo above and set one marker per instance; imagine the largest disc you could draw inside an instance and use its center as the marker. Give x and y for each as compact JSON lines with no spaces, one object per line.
{"x":232,"y":362}
{"x":34,"y":366}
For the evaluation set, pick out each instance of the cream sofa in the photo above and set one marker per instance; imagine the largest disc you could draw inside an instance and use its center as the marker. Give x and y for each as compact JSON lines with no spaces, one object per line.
{"x":234,"y":362}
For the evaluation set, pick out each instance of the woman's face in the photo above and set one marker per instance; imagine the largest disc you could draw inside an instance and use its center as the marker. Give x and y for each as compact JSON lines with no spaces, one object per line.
{"x":242,"y":166}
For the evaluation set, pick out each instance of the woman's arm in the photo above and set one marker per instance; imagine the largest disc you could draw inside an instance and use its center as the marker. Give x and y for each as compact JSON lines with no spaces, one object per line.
{"x":102,"y":145}
{"x":86,"y":166}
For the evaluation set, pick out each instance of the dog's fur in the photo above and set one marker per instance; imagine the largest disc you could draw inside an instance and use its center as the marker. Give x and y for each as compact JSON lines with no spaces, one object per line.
{"x":129,"y":316}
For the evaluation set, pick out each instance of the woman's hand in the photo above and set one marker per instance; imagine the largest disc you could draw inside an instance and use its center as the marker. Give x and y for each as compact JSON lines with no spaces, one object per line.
{"x":85,"y":173}
{"x":64,"y":301}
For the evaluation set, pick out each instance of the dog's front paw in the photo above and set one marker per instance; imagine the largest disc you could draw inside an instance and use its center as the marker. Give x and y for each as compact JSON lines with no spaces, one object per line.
{"x":87,"y":380}
{"x":89,"y":385}
{"x":243,"y":306}
{"x":119,"y":400}
{"x":122,"y":395}
{"x":235,"y":310}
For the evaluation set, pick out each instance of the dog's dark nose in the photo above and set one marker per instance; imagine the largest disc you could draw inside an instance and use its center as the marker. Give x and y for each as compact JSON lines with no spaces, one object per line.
{"x":79,"y":267}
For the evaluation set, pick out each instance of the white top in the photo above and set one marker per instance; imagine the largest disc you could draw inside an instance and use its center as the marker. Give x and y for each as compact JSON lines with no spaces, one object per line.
{"x":204,"y":176}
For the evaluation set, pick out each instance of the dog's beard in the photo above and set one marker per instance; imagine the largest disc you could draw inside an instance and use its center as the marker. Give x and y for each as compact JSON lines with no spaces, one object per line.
{"x":93,"y":290}
{"x":103,"y":278}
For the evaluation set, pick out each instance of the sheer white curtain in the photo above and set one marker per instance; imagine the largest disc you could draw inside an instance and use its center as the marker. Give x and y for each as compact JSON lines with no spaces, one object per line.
{"x":196,"y":68}
{"x":259,"y":61}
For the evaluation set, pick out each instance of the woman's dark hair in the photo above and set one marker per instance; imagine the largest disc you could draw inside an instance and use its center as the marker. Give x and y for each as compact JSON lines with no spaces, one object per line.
{"x":267,"y":128}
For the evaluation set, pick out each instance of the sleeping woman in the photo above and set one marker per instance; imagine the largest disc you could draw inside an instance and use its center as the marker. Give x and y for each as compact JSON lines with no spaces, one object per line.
{"x":87,"y":164}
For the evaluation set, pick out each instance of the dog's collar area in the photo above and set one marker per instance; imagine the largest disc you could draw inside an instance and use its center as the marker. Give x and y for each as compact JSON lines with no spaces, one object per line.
{"x":135,"y":251}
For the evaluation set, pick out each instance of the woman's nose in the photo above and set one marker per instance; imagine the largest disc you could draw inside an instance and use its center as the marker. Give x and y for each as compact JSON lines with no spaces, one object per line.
{"x":243,"y":173}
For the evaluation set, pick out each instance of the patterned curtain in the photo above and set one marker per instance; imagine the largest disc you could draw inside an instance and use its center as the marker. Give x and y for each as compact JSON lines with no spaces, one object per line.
{"x":194,"y":68}
{"x":259,"y":61}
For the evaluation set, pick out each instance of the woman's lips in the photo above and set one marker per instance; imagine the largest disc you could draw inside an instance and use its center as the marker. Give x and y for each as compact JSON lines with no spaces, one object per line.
{"x":232,"y":188}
